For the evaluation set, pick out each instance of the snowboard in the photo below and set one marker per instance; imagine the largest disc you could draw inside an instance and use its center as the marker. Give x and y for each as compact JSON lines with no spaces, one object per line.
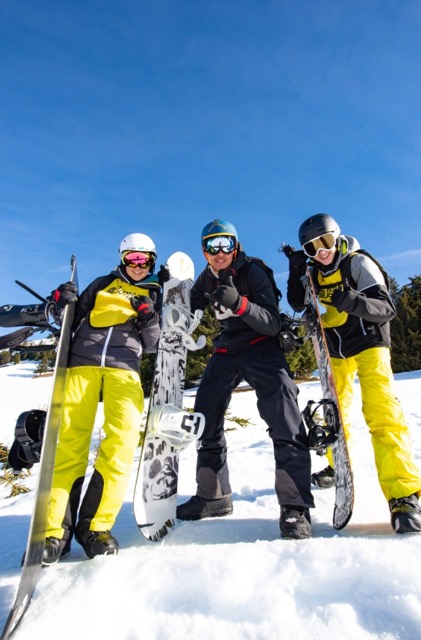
{"x":32,"y":562}
{"x":169,"y":429}
{"x":16,"y":338}
{"x":25,"y":315}
{"x":344,"y":495}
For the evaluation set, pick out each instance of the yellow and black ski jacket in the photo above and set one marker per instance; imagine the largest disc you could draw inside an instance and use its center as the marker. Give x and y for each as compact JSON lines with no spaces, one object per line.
{"x":366,"y":321}
{"x":107,"y":332}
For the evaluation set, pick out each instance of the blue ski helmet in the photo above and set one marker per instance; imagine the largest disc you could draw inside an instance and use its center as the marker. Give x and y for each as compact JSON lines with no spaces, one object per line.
{"x":218,"y":227}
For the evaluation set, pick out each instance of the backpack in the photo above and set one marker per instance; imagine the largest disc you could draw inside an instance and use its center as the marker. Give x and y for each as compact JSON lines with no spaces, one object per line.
{"x":269,"y":272}
{"x":288,"y":337}
{"x":345,"y":268}
{"x":29,"y":434}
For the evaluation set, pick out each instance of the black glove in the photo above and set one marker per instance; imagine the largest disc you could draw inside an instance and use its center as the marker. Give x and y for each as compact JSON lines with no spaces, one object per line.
{"x":225,"y":274}
{"x":286,"y":321}
{"x":226,"y":295}
{"x":144,"y":308}
{"x":64,"y":294}
{"x":297,"y":259}
{"x":343,"y":299}
{"x":163,"y":275}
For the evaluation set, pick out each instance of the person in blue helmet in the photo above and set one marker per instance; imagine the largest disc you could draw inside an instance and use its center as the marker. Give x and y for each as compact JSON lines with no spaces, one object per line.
{"x":247,"y":348}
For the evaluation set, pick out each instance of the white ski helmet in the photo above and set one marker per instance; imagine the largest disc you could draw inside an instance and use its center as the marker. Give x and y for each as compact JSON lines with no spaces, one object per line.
{"x":137,"y":242}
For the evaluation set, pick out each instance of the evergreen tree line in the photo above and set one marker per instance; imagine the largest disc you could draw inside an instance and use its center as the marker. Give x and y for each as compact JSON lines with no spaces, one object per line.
{"x":405,"y":332}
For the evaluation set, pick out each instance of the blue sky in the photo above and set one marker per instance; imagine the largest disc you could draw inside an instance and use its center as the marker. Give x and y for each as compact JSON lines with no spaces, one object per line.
{"x":157,"y":117}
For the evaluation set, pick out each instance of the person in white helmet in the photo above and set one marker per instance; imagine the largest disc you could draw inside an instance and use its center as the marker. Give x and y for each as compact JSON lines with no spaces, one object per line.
{"x":116,"y":319}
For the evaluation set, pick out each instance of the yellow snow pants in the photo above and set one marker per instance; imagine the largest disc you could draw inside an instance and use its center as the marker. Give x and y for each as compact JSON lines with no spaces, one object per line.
{"x":123,"y":405}
{"x":396,"y":468}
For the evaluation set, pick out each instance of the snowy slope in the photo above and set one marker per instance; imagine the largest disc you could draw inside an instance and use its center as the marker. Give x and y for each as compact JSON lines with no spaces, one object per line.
{"x":231,"y":577}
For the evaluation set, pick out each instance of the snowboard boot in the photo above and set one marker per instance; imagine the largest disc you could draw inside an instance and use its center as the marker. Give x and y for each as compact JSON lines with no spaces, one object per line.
{"x":97,"y":543}
{"x":324,"y":479}
{"x":295,"y":523}
{"x":405,"y":514}
{"x":54,"y":550}
{"x":197,"y":508}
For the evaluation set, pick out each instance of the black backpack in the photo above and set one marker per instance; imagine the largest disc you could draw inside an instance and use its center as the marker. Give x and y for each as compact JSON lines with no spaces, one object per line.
{"x":29,"y":434}
{"x":345,"y":267}
{"x":269,"y":272}
{"x":288,"y":337}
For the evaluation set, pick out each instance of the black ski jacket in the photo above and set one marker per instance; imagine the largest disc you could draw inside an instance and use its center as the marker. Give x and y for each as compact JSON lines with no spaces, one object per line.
{"x":260,"y":320}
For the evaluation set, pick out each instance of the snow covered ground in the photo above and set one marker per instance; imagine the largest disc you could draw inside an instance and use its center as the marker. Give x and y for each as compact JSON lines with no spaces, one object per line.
{"x":230,"y":577}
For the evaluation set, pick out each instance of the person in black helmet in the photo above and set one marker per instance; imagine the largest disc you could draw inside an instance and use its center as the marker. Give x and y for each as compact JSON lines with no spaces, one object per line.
{"x":247,"y":348}
{"x":352,"y":288}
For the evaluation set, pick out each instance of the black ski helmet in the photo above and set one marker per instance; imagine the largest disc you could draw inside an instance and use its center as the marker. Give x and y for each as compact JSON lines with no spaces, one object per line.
{"x":316,"y":226}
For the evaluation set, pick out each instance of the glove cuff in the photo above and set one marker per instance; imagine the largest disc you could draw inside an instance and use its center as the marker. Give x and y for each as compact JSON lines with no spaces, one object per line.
{"x":242,"y":305}
{"x":143,"y":324}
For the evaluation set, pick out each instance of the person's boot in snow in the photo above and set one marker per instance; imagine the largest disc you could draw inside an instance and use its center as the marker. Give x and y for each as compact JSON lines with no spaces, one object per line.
{"x":405,"y":514}
{"x":295,"y":522}
{"x":324,"y":479}
{"x":97,"y":543}
{"x":54,"y":550}
{"x":197,"y":508}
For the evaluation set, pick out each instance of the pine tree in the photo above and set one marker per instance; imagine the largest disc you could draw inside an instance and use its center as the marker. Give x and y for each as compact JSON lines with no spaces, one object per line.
{"x":302,"y":361}
{"x":43,"y":365}
{"x":147,"y":365}
{"x":5,"y":357}
{"x":406,"y":328}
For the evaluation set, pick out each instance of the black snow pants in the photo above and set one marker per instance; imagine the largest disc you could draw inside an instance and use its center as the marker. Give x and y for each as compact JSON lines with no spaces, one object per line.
{"x":264,"y":368}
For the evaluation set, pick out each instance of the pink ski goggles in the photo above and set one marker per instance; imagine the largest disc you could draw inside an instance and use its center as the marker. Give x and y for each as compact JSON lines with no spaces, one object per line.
{"x":133,"y":259}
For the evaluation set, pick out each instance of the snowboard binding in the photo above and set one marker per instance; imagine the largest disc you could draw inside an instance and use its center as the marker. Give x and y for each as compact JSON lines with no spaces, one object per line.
{"x":323,"y":423}
{"x":175,"y":425}
{"x":176,"y":318}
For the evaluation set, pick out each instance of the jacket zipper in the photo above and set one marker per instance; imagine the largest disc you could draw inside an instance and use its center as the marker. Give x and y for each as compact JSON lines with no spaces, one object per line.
{"x":104,"y":350}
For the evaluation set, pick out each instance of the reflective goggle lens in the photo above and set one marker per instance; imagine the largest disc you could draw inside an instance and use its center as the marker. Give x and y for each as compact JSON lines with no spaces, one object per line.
{"x":226,"y":244}
{"x":134,"y":259}
{"x":326,"y":241}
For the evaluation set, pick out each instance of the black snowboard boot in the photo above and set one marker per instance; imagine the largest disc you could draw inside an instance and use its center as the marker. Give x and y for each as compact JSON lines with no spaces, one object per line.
{"x":54,"y":550}
{"x":97,"y":543}
{"x":295,"y":523}
{"x":324,"y":479}
{"x":405,"y":514}
{"x":197,"y":508}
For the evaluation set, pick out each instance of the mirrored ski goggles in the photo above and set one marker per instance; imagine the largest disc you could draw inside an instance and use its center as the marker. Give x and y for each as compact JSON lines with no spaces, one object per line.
{"x":325,"y":242}
{"x":226,"y":244}
{"x":133,"y":259}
